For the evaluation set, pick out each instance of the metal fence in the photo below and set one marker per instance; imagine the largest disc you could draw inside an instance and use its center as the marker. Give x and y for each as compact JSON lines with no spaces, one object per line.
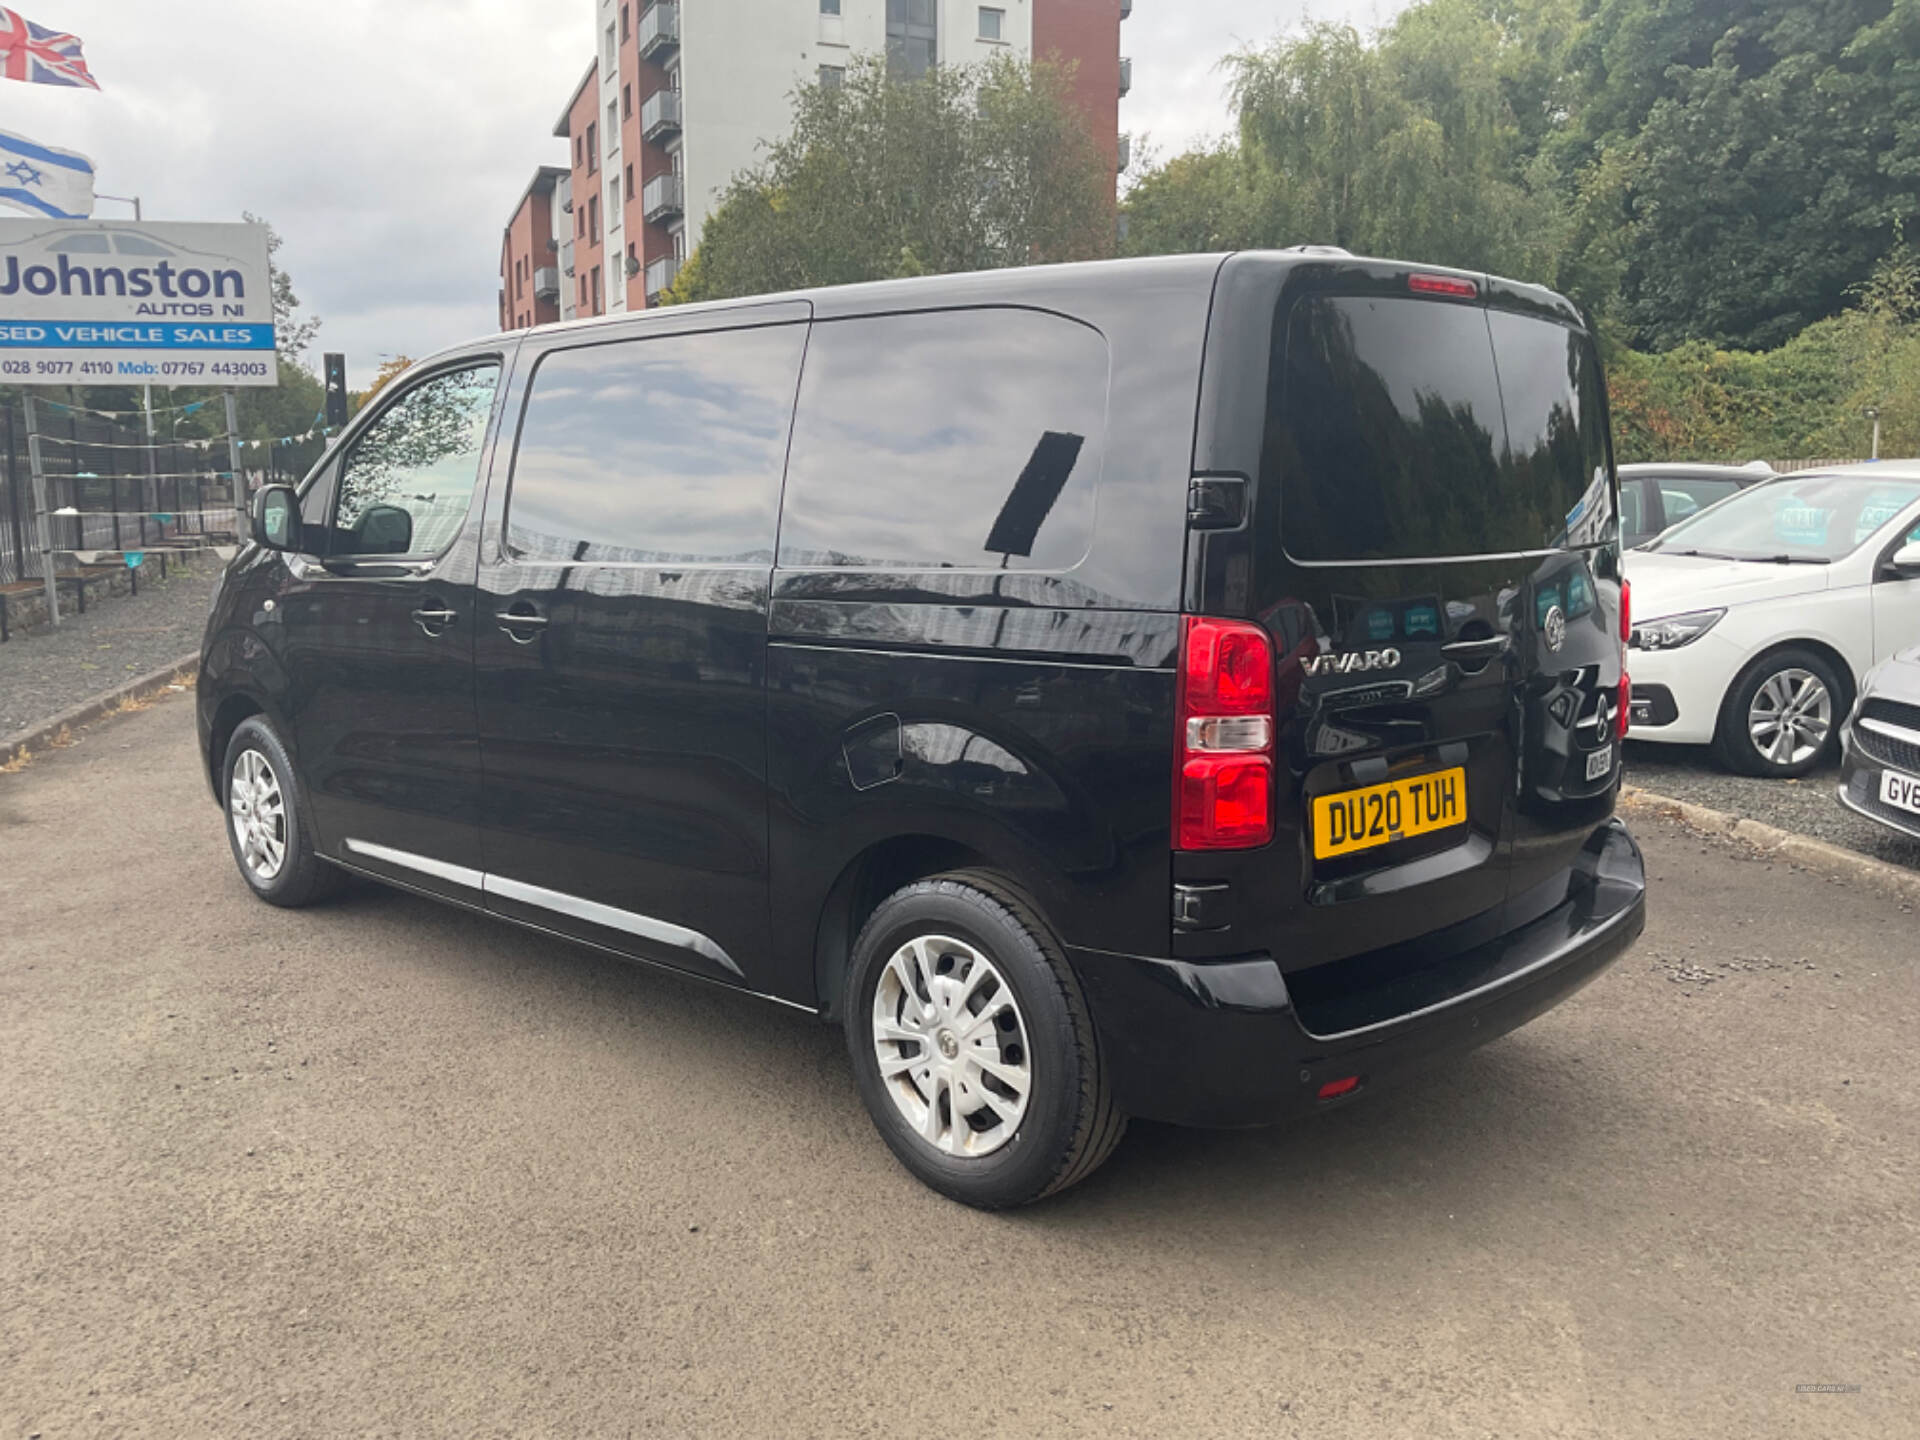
{"x":1788,"y":467}
{"x":130,"y":495}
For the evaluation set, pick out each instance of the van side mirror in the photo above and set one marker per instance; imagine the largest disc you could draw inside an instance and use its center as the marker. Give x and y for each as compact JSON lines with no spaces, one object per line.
{"x":1906,"y":560}
{"x":276,"y":517}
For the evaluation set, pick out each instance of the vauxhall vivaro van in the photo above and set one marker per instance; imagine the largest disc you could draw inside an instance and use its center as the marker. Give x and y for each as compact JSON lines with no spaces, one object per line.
{"x":1186,"y":688}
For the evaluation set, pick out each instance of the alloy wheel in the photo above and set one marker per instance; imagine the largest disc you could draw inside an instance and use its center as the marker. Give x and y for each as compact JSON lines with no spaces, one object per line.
{"x":259,"y":814}
{"x":1791,"y":717}
{"x":952,"y":1046}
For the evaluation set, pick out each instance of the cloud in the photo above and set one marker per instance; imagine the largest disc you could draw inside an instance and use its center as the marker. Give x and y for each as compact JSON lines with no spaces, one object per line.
{"x":1179,"y":90}
{"x":387,"y":140}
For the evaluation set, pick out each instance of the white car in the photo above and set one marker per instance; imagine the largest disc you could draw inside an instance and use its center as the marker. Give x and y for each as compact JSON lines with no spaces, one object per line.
{"x":1754,"y":620}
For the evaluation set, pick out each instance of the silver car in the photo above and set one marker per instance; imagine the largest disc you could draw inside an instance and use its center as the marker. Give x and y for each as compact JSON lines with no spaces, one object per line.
{"x":1880,"y":765}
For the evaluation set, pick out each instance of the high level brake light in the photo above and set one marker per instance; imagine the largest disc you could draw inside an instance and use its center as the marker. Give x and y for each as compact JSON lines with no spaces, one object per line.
{"x":1443,"y":285}
{"x":1223,"y":788}
{"x":1625,"y":719}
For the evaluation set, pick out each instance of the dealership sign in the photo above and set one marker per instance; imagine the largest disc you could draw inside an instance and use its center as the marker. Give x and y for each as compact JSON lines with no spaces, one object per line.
{"x":104,"y":302}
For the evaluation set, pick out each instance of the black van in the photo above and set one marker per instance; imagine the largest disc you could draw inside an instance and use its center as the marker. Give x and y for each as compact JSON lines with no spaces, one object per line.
{"x":1187,"y":688}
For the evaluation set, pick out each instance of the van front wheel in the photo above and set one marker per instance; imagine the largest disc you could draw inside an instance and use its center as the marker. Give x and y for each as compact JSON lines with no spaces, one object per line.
{"x":972,"y":1045}
{"x":266,"y":827}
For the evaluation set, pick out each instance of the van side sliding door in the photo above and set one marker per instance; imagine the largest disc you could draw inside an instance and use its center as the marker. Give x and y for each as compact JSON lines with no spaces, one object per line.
{"x":621,"y":656}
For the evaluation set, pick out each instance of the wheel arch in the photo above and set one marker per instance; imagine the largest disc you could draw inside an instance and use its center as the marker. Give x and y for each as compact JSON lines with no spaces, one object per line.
{"x":883,"y":867}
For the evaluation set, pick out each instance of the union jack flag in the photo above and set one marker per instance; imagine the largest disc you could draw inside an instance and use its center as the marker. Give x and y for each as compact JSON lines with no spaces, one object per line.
{"x":40,"y":56}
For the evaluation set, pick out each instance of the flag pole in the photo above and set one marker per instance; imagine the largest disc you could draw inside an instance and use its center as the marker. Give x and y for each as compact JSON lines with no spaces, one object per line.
{"x":40,"y":506}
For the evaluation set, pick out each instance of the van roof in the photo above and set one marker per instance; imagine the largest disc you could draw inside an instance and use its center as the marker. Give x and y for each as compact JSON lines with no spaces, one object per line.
{"x":1039,"y":285}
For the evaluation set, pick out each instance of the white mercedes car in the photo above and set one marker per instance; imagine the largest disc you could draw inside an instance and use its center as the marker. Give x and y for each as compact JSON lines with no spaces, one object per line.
{"x":1754,"y":620}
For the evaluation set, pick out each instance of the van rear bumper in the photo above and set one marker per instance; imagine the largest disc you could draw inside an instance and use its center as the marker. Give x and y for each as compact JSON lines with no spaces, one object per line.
{"x":1221,"y":1043}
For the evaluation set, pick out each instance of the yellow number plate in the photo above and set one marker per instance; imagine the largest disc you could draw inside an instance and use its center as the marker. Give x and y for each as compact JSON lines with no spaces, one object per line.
{"x":1356,"y":820}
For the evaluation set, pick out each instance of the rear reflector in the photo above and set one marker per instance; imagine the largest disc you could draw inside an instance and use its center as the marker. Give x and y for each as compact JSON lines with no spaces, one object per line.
{"x":1334,"y":1089}
{"x":1443,"y":285}
{"x":1223,"y":783}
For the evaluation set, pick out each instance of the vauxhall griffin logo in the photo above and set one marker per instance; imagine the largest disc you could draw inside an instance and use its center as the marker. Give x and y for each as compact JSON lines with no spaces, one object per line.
{"x":1353,"y":662}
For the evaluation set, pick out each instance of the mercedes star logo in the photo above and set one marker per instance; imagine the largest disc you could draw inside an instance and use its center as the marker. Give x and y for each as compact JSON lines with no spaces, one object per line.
{"x":1556,"y":629}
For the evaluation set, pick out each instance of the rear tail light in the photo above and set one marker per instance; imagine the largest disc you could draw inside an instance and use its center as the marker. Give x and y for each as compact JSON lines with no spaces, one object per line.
{"x":1625,"y":718}
{"x":1334,"y":1089}
{"x":1223,"y":787}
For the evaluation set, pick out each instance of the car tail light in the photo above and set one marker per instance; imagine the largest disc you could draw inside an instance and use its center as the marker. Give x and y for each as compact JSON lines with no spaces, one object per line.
{"x":1223,"y":787}
{"x":1334,"y":1089}
{"x":1625,"y":718}
{"x":1443,"y":285}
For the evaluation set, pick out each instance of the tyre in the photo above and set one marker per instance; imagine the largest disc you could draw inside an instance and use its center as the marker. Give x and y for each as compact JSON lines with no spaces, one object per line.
{"x":972,"y":1045}
{"x":267,"y":829}
{"x":1781,"y":715}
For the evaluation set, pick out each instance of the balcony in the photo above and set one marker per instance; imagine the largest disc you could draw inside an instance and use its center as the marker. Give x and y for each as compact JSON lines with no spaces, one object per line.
{"x":1126,"y":76}
{"x":661,"y":197}
{"x":566,"y":256}
{"x":660,"y":275}
{"x":660,"y":115}
{"x":563,"y":193}
{"x":546,"y":283}
{"x":1126,"y":153}
{"x":660,"y":30}
{"x":1126,"y":9}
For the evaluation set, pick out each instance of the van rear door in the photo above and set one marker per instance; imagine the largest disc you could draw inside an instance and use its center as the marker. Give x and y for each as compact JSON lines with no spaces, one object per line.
{"x":1427,"y":530}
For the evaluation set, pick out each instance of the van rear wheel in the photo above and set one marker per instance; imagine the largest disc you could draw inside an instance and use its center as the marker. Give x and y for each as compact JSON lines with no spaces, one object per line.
{"x":972,"y":1045}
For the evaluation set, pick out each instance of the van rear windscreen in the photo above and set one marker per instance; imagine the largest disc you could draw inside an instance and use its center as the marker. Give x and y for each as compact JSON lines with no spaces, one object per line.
{"x":1402,"y":429}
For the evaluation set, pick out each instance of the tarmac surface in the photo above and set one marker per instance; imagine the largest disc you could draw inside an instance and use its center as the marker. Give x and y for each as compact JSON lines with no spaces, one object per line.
{"x":385,"y":1168}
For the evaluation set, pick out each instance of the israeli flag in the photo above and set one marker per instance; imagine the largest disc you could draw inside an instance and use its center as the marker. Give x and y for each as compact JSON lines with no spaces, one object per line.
{"x":44,"y":181}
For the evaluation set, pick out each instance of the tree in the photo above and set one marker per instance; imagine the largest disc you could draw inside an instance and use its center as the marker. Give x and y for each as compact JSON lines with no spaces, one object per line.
{"x":293,"y":333}
{"x":1776,"y":149}
{"x":966,"y":168}
{"x":388,"y":372}
{"x":1407,"y":144}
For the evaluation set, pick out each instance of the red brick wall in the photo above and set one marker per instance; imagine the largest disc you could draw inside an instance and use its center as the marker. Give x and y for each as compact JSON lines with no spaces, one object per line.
{"x":586,"y":184}
{"x":527,"y":248}
{"x":647,"y":160}
{"x":1086,"y":33}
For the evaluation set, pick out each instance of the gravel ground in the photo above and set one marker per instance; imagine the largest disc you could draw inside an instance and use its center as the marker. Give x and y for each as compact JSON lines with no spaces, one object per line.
{"x":1806,"y":807}
{"x":46,"y":670}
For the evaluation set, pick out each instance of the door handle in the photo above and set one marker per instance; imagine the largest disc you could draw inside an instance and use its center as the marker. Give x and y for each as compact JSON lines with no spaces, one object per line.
{"x":513,"y":621}
{"x":1475,"y":649}
{"x":434,"y":620}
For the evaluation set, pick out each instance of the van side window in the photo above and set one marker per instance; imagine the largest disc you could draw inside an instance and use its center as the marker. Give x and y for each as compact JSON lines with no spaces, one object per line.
{"x":967,"y":439}
{"x":656,"y":451}
{"x":406,"y":483}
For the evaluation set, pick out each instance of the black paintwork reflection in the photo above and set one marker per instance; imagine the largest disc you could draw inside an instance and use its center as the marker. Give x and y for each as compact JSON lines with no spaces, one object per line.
{"x":624,"y":745}
{"x":915,"y":430}
{"x":1428,"y":711}
{"x":1057,"y":769}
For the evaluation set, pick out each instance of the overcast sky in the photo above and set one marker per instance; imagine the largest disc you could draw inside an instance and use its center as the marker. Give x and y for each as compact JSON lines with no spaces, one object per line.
{"x":387,"y":140}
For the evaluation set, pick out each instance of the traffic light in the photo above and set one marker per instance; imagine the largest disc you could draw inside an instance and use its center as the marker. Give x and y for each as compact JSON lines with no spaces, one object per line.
{"x":336,"y":372}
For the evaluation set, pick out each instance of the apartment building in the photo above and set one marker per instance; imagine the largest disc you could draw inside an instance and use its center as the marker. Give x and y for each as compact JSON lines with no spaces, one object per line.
{"x":530,"y":253}
{"x":683,"y":94}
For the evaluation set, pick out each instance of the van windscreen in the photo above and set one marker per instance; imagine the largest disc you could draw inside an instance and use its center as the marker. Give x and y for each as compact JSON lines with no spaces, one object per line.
{"x":1403,"y":429}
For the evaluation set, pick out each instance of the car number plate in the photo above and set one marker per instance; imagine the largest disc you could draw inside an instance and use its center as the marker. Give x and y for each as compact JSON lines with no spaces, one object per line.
{"x":1900,"y":791}
{"x":1356,"y":820}
{"x":1599,"y":763}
